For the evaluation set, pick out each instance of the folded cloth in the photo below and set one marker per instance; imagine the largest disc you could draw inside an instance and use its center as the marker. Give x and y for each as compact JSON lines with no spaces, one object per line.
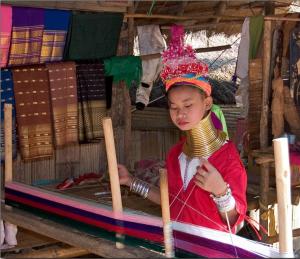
{"x":5,"y":32}
{"x":27,"y":34}
{"x":54,"y":36}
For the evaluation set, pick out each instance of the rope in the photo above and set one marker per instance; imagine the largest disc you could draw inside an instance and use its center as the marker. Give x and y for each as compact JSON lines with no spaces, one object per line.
{"x":152,"y":5}
{"x":222,"y":53}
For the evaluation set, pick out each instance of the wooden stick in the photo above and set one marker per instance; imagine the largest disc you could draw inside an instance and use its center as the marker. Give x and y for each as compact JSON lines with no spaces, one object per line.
{"x":113,"y":171}
{"x":53,"y":252}
{"x":283,"y":187}
{"x":164,"y":197}
{"x":198,"y":50}
{"x":8,"y":141}
{"x":266,"y":84}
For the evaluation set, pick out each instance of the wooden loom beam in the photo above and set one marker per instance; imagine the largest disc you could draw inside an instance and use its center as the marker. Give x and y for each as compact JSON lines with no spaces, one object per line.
{"x":71,"y":236}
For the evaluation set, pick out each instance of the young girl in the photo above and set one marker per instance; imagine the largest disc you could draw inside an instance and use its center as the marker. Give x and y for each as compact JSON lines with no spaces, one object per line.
{"x":207,"y":181}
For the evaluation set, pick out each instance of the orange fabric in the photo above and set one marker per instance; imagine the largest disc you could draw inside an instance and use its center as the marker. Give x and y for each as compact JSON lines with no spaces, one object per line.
{"x":206,"y":87}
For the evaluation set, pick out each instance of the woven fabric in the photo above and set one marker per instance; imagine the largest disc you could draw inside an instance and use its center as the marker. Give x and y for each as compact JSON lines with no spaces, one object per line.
{"x":54,"y":36}
{"x":27,"y":33}
{"x":5,"y":32}
{"x":93,"y":35}
{"x":63,"y":93}
{"x":127,"y":68}
{"x":7,"y":96}
{"x":91,"y":92}
{"x":33,"y":111}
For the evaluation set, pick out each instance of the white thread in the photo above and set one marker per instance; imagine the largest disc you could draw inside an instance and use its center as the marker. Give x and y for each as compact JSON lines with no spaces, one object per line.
{"x":230,"y":234}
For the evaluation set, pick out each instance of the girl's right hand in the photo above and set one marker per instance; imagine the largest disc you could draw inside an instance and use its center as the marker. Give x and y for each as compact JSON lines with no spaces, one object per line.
{"x":125,"y":177}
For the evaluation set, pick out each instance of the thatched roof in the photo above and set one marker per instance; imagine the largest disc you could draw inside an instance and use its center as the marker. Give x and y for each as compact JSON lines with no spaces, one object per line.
{"x":216,"y":16}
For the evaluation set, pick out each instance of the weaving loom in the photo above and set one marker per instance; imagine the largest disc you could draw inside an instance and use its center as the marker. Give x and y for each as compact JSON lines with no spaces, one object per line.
{"x":144,"y":229}
{"x":196,"y":240}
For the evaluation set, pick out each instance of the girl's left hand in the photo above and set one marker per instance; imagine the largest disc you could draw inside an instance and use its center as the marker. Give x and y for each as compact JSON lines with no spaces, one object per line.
{"x":210,"y":179}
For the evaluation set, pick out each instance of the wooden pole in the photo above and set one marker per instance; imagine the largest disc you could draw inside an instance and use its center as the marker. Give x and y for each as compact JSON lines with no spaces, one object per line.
{"x":167,"y":225}
{"x":8,"y":141}
{"x":113,"y":171}
{"x":266,"y":84}
{"x":53,"y":252}
{"x":283,"y":188}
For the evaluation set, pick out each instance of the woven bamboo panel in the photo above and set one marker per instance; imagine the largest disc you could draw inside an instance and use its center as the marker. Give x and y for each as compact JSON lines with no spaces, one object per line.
{"x":255,"y":100}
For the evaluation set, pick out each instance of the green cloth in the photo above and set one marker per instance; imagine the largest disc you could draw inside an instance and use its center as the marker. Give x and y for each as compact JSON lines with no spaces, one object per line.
{"x":217,"y":110}
{"x":93,"y":36}
{"x":256,"y":27}
{"x":127,"y":68}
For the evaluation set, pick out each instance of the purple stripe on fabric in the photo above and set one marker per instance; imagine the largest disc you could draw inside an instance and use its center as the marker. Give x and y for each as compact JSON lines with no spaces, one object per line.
{"x":212,"y":244}
{"x":109,"y":220}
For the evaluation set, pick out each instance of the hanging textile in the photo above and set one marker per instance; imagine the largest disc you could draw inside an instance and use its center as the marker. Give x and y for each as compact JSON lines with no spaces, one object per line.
{"x":5,"y":32}
{"x":151,"y":41}
{"x":295,"y":64}
{"x":33,"y":111}
{"x":127,"y":68}
{"x":93,"y":35}
{"x":27,"y":34}
{"x":256,"y":27}
{"x":54,"y":36}
{"x":63,"y":94}
{"x":7,"y":96}
{"x":91,"y":96}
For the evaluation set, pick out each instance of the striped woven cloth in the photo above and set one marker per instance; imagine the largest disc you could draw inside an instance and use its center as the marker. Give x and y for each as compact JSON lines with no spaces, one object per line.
{"x":27,"y":34}
{"x":5,"y":32}
{"x":32,"y":96}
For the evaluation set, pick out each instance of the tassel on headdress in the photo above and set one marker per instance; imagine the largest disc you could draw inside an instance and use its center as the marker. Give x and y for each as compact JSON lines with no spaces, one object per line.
{"x":180,"y":65}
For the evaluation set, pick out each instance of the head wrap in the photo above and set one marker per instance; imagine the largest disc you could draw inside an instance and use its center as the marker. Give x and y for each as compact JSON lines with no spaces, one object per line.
{"x":180,"y":65}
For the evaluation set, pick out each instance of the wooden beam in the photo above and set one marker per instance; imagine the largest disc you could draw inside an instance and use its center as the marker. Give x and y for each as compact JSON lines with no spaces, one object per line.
{"x":198,"y":50}
{"x":175,"y":17}
{"x":52,"y":252}
{"x":221,"y":7}
{"x":203,"y":25}
{"x":280,"y":18}
{"x":71,"y":236}
{"x":95,"y":6}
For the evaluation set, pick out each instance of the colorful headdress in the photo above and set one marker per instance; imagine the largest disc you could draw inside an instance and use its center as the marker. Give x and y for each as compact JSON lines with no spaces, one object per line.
{"x":180,"y":65}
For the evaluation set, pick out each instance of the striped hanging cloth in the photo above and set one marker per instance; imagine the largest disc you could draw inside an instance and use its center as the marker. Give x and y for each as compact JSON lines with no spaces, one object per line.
{"x":7,"y":96}
{"x":31,"y":88}
{"x":54,"y":36}
{"x":91,"y":92}
{"x":27,"y":34}
{"x":63,"y":93}
{"x":5,"y":32}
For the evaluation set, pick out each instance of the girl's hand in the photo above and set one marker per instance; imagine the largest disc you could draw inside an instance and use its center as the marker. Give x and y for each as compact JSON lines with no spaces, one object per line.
{"x":210,"y":179}
{"x":124,"y":176}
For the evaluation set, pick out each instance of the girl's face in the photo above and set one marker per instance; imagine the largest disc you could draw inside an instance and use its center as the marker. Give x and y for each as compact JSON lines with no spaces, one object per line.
{"x":187,"y":106}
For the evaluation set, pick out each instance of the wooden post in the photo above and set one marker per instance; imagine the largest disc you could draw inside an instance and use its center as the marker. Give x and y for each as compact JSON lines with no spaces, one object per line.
{"x":266,"y":84}
{"x":126,"y":96}
{"x":167,"y":225}
{"x":283,"y":188}
{"x":113,"y":171}
{"x":263,"y":199}
{"x":8,"y":141}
